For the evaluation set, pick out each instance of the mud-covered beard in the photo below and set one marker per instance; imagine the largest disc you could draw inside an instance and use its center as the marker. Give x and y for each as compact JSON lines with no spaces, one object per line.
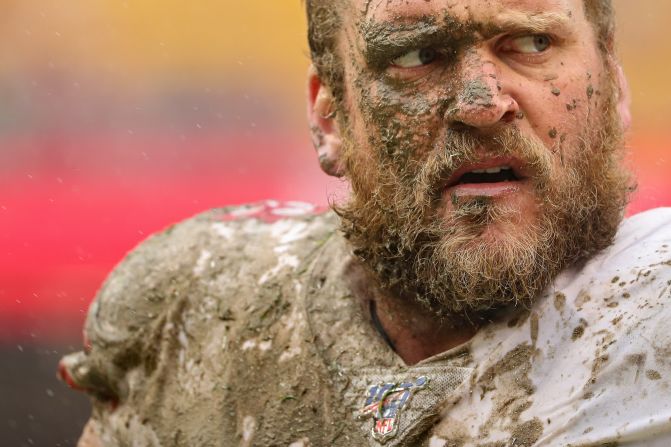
{"x":401,"y":231}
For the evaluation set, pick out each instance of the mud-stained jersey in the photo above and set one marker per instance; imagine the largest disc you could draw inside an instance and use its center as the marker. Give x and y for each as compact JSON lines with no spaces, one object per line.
{"x":236,"y":328}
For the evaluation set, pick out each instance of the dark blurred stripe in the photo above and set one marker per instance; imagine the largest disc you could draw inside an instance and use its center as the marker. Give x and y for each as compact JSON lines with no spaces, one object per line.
{"x":36,"y":409}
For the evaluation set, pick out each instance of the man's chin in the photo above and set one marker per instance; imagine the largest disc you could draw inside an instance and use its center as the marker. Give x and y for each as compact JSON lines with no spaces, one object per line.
{"x":488,"y":272}
{"x":490,"y":219}
{"x":489,"y":255}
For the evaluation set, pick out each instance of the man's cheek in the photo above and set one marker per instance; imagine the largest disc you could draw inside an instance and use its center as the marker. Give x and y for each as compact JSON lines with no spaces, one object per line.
{"x":402,"y":124}
{"x":580,"y":104}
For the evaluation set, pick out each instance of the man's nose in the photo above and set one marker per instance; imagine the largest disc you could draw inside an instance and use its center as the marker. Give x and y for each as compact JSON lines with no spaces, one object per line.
{"x":481,"y":99}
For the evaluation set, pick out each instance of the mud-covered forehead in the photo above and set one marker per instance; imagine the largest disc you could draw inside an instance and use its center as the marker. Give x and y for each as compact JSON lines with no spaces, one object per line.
{"x":377,"y":20}
{"x":465,"y":10}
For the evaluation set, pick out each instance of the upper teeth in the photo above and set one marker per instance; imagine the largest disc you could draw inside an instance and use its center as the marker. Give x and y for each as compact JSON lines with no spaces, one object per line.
{"x":491,"y":170}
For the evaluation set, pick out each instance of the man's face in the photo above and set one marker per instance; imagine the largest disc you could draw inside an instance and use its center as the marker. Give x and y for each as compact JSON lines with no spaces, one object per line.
{"x":482,"y":144}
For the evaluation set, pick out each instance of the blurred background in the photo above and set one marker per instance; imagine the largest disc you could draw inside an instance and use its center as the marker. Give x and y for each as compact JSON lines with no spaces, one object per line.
{"x":118,"y":118}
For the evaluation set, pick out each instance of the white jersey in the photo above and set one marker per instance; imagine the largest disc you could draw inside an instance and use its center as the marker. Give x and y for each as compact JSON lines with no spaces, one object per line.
{"x":593,"y":357}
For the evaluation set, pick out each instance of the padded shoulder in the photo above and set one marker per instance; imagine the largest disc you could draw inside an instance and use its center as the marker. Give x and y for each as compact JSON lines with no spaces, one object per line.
{"x":249,"y":243}
{"x":216,"y":262}
{"x":642,"y":244}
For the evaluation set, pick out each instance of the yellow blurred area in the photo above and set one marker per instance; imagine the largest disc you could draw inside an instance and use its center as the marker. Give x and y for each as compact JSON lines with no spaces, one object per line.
{"x":147,"y":37}
{"x":131,"y":43}
{"x":144,"y":42}
{"x":645,"y":47}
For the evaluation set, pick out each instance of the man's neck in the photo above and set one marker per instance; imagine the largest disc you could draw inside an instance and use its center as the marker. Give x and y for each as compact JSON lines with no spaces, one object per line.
{"x":413,"y":331}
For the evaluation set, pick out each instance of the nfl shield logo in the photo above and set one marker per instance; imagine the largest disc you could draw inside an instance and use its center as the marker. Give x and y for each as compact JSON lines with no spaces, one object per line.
{"x":384,"y":404}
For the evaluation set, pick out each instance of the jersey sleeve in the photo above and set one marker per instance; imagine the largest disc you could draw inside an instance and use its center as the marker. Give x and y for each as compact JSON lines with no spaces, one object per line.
{"x":135,"y":299}
{"x":165,"y":332}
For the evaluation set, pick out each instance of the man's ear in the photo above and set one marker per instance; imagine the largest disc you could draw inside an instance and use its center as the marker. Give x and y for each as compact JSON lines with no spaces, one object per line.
{"x":323,"y":126}
{"x":624,"y":95}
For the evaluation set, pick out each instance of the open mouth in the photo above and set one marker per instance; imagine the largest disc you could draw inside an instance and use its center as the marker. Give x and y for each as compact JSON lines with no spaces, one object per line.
{"x":489,"y":175}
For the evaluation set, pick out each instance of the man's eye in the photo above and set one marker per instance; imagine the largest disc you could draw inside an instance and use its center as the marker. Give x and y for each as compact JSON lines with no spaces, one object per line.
{"x":416,"y":58}
{"x":529,"y":44}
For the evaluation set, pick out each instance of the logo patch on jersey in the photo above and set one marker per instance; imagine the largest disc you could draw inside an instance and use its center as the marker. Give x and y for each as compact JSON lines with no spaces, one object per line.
{"x":384,"y":404}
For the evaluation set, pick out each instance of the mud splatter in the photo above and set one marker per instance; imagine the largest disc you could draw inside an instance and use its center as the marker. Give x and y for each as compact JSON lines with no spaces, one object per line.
{"x":601,"y":358}
{"x":582,"y":298}
{"x":476,"y":92}
{"x":527,"y":433}
{"x":578,"y":332}
{"x":590,"y":91}
{"x":637,"y":360}
{"x":653,"y":375}
{"x":572,"y":105}
{"x":512,"y":389}
{"x":533,"y":328}
{"x":560,"y":302}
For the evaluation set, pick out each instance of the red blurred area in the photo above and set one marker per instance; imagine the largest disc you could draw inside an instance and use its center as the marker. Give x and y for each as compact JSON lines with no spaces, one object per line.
{"x":67,"y":220}
{"x":64,"y":223}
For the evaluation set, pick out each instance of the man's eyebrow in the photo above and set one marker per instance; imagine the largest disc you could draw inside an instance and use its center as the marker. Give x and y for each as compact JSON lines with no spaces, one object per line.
{"x":384,"y":39}
{"x":541,"y":22}
{"x":376,"y":32}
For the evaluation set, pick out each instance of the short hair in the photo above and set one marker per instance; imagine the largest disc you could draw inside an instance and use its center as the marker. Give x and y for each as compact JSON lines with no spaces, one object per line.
{"x":325,"y":18}
{"x":324,"y":21}
{"x":602,"y":16}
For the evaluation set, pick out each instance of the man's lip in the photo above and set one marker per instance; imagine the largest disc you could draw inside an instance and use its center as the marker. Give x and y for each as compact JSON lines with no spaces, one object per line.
{"x":515,"y":164}
{"x":485,"y":189}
